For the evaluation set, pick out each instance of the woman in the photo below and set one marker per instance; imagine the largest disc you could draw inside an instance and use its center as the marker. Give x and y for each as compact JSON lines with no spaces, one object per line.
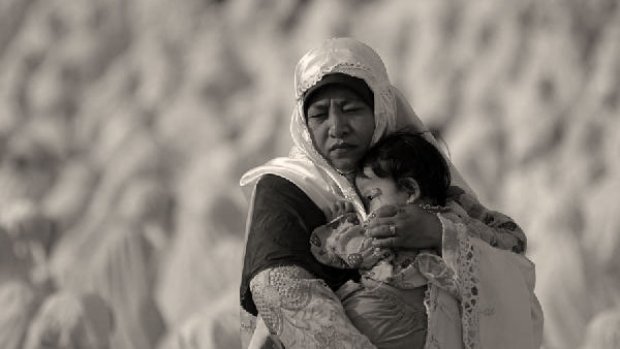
{"x":345,"y":104}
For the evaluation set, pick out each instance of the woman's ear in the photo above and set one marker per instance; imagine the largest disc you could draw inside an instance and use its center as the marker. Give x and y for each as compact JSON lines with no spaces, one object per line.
{"x":411,"y":186}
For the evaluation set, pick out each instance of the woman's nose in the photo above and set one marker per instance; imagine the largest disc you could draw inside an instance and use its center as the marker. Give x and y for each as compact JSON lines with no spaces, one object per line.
{"x":338,"y":123}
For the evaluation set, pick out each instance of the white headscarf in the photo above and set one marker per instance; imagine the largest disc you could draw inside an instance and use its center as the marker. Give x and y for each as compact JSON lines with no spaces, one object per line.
{"x":304,"y":166}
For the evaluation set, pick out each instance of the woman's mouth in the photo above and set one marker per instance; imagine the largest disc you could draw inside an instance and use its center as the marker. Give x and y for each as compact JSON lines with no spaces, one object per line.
{"x":341,"y":148}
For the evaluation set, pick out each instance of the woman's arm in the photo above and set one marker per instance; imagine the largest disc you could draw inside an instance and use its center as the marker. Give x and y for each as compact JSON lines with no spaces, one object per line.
{"x":411,"y":227}
{"x":302,"y":311}
{"x":282,"y":282}
{"x":493,"y":227}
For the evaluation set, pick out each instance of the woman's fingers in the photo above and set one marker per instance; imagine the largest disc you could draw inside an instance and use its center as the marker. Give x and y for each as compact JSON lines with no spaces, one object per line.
{"x":405,"y":227}
{"x":380,"y":222}
{"x":387,"y":242}
{"x":384,"y":211}
{"x":382,"y":231}
{"x":353,"y":230}
{"x":383,"y":216}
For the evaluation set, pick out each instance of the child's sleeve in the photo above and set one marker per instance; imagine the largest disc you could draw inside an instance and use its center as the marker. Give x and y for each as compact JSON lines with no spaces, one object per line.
{"x":321,"y":247}
{"x":426,"y":267}
{"x":344,"y":246}
{"x":493,"y":227}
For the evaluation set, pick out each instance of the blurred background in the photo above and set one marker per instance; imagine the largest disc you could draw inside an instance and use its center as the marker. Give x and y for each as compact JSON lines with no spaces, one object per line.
{"x":125,"y":126}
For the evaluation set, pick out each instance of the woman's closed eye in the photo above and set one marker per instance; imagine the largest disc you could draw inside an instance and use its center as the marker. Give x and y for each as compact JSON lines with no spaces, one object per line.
{"x":352,"y":107}
{"x":317,"y":114}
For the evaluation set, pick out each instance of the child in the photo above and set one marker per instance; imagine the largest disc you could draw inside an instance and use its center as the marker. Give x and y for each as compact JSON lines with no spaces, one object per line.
{"x":388,"y":304}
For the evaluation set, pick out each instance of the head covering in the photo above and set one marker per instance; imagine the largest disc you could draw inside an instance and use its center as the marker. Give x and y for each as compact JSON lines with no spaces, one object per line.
{"x":304,"y":166}
{"x":357,"y":86}
{"x":349,"y":57}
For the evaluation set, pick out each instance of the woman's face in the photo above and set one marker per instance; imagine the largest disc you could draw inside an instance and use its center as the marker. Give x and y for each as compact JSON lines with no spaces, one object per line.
{"x":341,"y":125}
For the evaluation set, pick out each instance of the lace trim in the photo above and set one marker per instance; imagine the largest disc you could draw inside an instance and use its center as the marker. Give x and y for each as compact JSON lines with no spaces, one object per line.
{"x":356,"y":69}
{"x":468,"y":273}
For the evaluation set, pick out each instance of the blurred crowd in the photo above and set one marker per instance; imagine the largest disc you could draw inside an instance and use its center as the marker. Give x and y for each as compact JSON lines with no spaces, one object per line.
{"x":81,"y":255}
{"x":126,"y":124}
{"x":101,"y":293}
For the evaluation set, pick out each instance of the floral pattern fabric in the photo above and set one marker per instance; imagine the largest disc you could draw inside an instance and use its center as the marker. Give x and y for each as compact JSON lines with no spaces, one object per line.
{"x":302,"y":312}
{"x":341,"y":245}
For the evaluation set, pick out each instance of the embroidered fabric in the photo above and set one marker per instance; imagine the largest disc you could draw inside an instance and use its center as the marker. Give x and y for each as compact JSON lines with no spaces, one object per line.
{"x":288,"y":296}
{"x":493,"y":227}
{"x":469,"y":284}
{"x":280,"y":288}
{"x":295,"y":305}
{"x":248,"y":325}
{"x":459,"y":281}
{"x":344,"y":246}
{"x":457,"y":274}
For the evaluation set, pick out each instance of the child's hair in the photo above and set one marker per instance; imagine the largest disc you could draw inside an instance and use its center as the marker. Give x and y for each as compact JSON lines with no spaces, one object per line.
{"x":407,"y":154}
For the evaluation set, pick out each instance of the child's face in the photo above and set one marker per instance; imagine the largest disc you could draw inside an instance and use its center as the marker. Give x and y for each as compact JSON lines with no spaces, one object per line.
{"x":376,"y":191}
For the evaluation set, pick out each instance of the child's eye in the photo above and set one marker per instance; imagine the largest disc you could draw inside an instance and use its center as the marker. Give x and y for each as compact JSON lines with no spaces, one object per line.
{"x":373,"y":194}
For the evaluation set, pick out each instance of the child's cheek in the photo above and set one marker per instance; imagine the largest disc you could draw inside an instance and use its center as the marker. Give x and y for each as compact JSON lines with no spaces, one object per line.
{"x":375,"y":204}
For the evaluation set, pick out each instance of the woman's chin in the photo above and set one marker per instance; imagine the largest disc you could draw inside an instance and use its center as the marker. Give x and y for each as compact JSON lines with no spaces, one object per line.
{"x":344,"y":166}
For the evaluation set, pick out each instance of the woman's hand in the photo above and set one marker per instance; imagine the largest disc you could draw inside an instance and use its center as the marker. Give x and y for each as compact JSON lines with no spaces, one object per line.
{"x":405,"y":227}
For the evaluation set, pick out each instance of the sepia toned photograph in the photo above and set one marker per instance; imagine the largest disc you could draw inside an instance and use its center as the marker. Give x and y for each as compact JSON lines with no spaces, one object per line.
{"x":203,"y":174}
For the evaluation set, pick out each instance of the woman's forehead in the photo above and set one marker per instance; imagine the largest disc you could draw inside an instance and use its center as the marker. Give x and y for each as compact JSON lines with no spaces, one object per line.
{"x":338,"y":93}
